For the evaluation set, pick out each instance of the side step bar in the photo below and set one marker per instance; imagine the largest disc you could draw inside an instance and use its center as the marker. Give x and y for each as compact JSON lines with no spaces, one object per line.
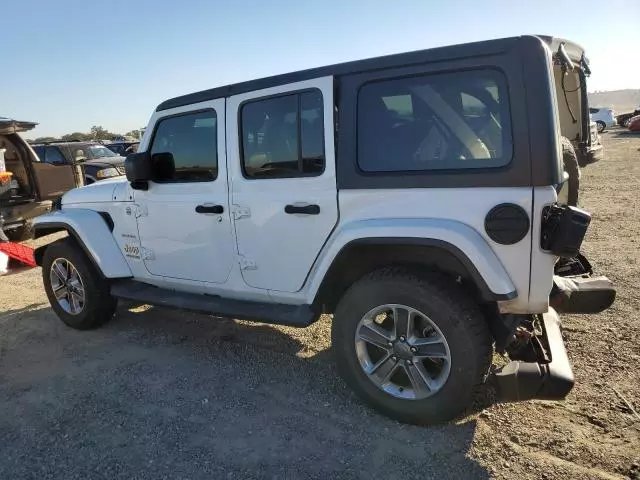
{"x":292,"y":315}
{"x":518,"y":381}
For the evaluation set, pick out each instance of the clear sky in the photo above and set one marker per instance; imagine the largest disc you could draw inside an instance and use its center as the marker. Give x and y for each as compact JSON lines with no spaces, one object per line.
{"x":71,"y":64}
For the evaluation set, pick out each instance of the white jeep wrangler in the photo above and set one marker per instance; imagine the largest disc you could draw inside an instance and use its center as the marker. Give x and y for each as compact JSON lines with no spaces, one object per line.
{"x":412,"y":196}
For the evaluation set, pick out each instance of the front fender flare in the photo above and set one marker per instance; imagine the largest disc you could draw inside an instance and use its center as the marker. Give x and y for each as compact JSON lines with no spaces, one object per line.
{"x":93,"y":234}
{"x":459,"y":239}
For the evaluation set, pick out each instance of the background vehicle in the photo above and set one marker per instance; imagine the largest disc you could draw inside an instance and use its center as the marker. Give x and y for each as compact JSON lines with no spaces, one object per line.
{"x":122,"y":148}
{"x":623,"y":119}
{"x":35,"y":184}
{"x":604,"y":117}
{"x":448,"y":234}
{"x":634,"y":124}
{"x":98,"y":161}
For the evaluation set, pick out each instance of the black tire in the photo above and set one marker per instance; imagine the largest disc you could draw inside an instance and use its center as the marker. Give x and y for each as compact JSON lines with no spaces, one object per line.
{"x":455,"y":314}
{"x":20,"y":234}
{"x":571,"y":166}
{"x":99,"y":306}
{"x":601,"y":126}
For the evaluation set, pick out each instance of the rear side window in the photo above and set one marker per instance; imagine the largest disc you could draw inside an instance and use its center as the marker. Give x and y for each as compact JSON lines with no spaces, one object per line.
{"x":54,"y":156}
{"x":192,"y":140}
{"x":283,"y":137}
{"x":435,"y":122}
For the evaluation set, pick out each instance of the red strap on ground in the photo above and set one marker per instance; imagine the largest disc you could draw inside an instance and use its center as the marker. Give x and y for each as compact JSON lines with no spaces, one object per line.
{"x":19,"y":252}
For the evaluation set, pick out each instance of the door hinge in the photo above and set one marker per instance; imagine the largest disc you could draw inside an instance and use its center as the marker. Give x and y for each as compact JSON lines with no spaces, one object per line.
{"x":147,"y":253}
{"x":246,"y":264}
{"x":140,"y":210}
{"x":240,"y":212}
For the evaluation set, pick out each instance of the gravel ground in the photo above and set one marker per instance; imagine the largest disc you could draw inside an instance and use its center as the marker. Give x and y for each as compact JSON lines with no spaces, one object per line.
{"x":166,"y":394}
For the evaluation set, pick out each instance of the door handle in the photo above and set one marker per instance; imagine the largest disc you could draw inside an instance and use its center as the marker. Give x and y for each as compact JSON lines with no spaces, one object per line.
{"x":304,"y":209}
{"x":209,"y":209}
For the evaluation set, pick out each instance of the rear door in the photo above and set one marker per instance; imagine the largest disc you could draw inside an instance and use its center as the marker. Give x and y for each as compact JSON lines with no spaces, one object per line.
{"x":53,"y":173}
{"x":283,"y":184}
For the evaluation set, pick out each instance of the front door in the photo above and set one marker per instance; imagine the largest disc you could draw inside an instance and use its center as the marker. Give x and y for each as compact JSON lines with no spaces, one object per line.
{"x":183,"y":218}
{"x":283,"y":182}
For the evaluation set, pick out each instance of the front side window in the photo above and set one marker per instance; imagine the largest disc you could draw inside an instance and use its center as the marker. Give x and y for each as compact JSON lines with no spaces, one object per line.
{"x":283,"y":137}
{"x":434,"y":122}
{"x":192,"y":141}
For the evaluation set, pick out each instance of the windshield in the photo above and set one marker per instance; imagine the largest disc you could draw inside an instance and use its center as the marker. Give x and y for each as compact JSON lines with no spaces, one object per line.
{"x":98,"y":151}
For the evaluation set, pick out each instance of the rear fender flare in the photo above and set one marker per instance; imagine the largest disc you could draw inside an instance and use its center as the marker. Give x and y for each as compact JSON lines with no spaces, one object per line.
{"x":92,"y":233}
{"x":457,"y":238}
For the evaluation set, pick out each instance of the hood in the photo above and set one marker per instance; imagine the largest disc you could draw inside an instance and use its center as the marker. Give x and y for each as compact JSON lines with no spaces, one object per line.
{"x":115,"y":161}
{"x":98,"y":192}
{"x":9,"y":126}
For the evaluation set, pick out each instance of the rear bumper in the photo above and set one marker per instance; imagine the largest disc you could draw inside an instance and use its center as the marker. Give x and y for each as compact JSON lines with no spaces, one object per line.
{"x":519,"y":381}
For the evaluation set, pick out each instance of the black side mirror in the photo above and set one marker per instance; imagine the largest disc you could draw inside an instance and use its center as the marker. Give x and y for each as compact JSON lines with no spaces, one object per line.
{"x":163,"y":166}
{"x":138,"y":169}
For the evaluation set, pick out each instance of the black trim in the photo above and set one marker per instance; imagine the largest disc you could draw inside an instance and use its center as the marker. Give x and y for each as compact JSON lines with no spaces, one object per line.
{"x":275,"y":313}
{"x":107,"y":219}
{"x":302,"y":209}
{"x":477,"y":279}
{"x":507,"y":223}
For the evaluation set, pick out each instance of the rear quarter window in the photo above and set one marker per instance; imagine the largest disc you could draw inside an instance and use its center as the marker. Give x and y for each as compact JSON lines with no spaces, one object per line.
{"x":446,"y":121}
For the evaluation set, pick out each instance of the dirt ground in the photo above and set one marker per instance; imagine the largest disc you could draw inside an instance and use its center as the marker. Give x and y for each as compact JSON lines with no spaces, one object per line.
{"x":165,"y":394}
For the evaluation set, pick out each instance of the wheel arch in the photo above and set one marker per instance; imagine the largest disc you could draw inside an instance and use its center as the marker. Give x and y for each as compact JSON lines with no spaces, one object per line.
{"x":93,"y":233}
{"x":362,"y":256}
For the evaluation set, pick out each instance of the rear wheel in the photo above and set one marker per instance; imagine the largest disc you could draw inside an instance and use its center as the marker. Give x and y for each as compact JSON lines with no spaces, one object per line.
{"x":412,"y":346}
{"x":601,"y":126}
{"x":76,"y":291}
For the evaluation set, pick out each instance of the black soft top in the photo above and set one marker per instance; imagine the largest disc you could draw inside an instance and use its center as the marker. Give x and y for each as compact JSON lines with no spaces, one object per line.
{"x":488,"y":47}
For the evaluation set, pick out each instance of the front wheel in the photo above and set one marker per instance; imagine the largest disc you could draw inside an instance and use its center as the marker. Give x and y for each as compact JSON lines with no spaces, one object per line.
{"x":76,"y":292}
{"x":412,"y":346}
{"x":601,"y":126}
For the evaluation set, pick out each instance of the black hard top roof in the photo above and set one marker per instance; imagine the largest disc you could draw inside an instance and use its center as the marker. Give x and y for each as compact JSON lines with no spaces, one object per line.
{"x":487,"y":47}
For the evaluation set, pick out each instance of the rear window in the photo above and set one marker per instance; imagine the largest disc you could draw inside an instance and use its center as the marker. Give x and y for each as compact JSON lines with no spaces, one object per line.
{"x":435,"y":122}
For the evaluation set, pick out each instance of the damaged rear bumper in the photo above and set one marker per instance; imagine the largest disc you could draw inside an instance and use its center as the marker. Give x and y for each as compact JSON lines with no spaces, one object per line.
{"x":518,"y":380}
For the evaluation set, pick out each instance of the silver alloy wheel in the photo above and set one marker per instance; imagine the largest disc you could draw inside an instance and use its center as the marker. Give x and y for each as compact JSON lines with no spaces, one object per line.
{"x":67,"y":286}
{"x":402,"y":351}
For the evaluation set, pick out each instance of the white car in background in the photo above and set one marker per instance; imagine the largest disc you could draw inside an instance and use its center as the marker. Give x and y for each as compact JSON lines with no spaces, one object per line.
{"x":604,"y":117}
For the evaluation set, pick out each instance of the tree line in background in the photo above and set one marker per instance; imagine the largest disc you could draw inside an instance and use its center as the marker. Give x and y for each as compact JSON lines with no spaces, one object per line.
{"x":96,"y":133}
